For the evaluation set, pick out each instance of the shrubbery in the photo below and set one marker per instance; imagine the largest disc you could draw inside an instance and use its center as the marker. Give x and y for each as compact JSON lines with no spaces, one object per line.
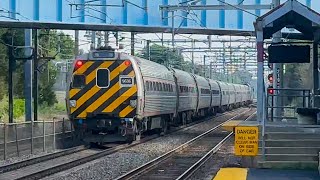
{"x":18,"y":108}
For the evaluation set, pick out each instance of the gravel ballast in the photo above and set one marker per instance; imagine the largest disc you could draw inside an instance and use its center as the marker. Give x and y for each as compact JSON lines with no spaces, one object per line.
{"x":223,"y":158}
{"x":116,"y":164}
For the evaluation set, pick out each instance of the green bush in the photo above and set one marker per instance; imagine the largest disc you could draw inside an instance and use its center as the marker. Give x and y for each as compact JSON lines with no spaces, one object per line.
{"x":18,"y":108}
{"x":60,"y":107}
{"x":4,"y":109}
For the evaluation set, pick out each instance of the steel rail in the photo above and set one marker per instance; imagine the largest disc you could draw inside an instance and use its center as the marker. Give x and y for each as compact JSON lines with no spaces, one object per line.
{"x":153,"y":163}
{"x":99,"y":154}
{"x":207,"y":156}
{"x":28,"y":162}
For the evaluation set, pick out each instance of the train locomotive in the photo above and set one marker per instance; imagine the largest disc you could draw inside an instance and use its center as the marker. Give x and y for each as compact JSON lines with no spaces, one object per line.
{"x":114,"y":96}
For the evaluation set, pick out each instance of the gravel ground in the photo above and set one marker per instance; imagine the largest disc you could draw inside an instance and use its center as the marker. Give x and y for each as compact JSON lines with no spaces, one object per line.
{"x":123,"y":161}
{"x":223,"y":158}
{"x":25,"y":157}
{"x":38,"y":151}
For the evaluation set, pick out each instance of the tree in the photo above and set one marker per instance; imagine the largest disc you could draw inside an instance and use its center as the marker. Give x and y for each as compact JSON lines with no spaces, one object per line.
{"x":242,"y":76}
{"x":164,"y":55}
{"x":50,"y":42}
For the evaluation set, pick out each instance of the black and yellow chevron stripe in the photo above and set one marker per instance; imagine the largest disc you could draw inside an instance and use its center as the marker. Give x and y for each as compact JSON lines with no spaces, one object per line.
{"x":114,"y":100}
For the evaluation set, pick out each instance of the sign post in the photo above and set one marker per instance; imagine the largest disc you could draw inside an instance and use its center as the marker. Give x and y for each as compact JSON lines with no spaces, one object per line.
{"x":246,"y":141}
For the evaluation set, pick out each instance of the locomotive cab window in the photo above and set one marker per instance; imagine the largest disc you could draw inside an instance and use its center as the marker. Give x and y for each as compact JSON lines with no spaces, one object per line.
{"x":103,"y":79}
{"x":79,"y":81}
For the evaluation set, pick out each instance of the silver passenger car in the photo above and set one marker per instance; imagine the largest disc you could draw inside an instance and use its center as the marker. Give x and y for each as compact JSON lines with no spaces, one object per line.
{"x":215,"y":95}
{"x":204,"y":94}
{"x":160,"y":96}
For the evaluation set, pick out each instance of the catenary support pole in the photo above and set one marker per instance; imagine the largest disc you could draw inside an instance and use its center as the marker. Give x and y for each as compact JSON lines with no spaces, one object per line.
{"x":211,"y":70}
{"x":148,"y":49}
{"x":204,"y":66}
{"x":192,"y":54}
{"x":28,"y":75}
{"x":76,"y":43}
{"x":10,"y":81}
{"x":35,"y":75}
{"x":132,"y":43}
{"x":106,"y":38}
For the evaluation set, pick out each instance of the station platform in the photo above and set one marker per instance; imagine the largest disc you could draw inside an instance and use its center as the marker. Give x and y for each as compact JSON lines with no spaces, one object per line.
{"x":265,"y":174}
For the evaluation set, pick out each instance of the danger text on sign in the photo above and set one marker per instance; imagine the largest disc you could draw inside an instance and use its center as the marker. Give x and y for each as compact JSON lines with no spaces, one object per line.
{"x":246,"y":141}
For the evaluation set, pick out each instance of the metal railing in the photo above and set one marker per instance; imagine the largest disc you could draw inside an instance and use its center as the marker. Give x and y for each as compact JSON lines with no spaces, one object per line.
{"x":289,"y":100}
{"x":32,"y":136}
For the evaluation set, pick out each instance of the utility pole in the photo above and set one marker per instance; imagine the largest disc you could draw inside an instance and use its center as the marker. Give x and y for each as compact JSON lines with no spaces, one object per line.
{"x":10,"y":89}
{"x":35,"y":75}
{"x":93,"y":40}
{"x":76,"y":43}
{"x":132,"y":43}
{"x":224,"y":61}
{"x":99,"y":39}
{"x":192,"y":55}
{"x":106,"y":38}
{"x":28,"y":75}
{"x":210,"y":70}
{"x":116,"y":35}
{"x":172,"y":29}
{"x":204,"y":66}
{"x":148,"y":49}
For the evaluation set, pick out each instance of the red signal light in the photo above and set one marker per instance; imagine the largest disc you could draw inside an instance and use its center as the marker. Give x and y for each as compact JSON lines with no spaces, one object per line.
{"x":79,"y":63}
{"x":270,"y":90}
{"x":127,"y":63}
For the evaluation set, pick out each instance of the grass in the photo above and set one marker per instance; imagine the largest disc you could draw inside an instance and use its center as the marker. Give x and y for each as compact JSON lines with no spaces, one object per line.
{"x":45,"y":112}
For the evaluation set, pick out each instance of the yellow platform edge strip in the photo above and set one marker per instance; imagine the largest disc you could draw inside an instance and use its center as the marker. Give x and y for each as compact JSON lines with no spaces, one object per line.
{"x":231,"y":174}
{"x":230,"y":125}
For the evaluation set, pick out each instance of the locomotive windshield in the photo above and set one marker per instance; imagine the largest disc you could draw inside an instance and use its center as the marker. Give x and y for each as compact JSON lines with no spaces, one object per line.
{"x":78,"y":81}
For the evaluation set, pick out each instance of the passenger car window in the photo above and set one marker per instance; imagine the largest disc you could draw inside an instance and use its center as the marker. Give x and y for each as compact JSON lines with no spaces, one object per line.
{"x":154,"y":86}
{"x":79,"y":81}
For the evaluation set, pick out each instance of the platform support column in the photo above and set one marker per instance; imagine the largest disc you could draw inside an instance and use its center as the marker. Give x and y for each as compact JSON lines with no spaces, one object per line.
{"x":260,"y":79}
{"x":316,"y":91}
{"x":277,"y":76}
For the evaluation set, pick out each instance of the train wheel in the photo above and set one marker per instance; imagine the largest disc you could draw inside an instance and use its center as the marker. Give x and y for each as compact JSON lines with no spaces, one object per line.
{"x":184,"y":118}
{"x":189,"y":117}
{"x":165,"y":126}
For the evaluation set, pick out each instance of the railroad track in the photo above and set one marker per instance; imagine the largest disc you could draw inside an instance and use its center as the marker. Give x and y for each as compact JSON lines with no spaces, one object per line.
{"x":37,"y":168}
{"x":183,"y":161}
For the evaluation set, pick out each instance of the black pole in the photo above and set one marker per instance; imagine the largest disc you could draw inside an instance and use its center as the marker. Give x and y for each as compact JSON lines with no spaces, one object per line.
{"x":132,"y":43}
{"x":210,"y":70}
{"x":148,"y":49}
{"x":35,"y":75}
{"x":11,"y":68}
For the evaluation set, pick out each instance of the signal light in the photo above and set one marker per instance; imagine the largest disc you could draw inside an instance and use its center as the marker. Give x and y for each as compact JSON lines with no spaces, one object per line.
{"x":270,"y":90}
{"x":79,"y":63}
{"x":127,"y":63}
{"x":270,"y":78}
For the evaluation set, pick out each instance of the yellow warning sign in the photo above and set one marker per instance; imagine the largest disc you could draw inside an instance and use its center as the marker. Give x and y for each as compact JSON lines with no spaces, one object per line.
{"x":246,"y":141}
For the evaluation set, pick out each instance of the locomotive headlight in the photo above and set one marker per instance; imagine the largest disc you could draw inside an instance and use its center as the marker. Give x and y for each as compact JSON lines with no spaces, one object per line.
{"x":73,"y":103}
{"x":133,"y":103}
